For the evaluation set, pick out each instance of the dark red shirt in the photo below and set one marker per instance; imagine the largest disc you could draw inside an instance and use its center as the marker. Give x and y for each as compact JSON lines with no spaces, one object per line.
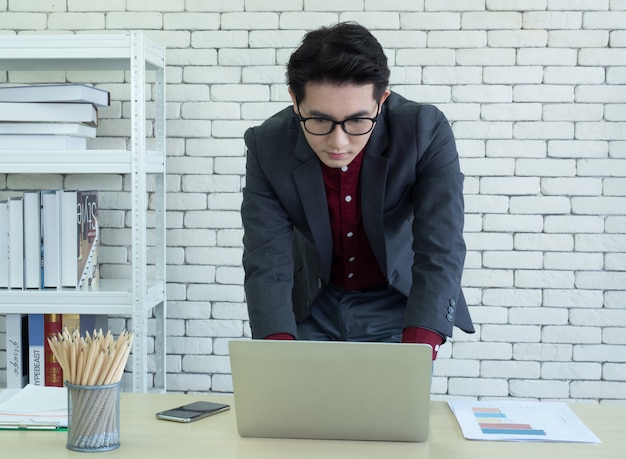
{"x":354,"y":266}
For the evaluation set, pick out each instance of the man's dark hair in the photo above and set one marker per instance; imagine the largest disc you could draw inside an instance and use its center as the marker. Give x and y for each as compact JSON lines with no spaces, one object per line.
{"x":346,"y":53}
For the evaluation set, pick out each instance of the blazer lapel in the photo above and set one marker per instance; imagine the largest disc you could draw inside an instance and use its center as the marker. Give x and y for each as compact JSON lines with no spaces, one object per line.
{"x":374,"y":171}
{"x":310,"y":185}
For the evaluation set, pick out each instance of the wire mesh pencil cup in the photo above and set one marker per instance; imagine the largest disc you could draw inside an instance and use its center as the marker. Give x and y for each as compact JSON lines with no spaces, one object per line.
{"x":93,"y":417}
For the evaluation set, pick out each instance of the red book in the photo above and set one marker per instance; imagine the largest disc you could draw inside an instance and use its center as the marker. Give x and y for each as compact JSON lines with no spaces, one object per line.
{"x":52,"y":324}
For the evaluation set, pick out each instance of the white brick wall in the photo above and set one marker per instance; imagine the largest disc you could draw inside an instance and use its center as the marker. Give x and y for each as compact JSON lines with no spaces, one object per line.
{"x":535,"y":91}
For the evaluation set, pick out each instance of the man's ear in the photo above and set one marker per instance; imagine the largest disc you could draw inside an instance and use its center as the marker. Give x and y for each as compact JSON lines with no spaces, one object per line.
{"x":293,"y":100}
{"x":384,"y":97}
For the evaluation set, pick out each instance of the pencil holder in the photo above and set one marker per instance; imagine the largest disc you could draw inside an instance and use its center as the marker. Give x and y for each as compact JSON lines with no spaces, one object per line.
{"x":93,"y":417}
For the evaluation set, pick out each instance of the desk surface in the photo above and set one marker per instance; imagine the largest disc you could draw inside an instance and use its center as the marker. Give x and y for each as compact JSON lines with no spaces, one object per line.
{"x":142,"y":435}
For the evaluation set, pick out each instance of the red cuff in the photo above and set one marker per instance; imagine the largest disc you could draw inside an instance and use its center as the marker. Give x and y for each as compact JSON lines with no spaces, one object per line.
{"x":423,"y":335}
{"x":279,"y":336}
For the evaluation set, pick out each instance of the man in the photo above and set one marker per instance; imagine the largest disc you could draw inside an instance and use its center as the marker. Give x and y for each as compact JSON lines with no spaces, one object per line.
{"x":353,"y":205}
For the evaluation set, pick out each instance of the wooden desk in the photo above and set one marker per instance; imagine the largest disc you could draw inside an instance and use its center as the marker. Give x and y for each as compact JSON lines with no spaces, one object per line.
{"x":142,"y":435}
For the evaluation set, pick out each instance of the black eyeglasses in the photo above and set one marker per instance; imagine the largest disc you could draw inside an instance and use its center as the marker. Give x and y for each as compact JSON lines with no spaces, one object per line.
{"x":352,"y":126}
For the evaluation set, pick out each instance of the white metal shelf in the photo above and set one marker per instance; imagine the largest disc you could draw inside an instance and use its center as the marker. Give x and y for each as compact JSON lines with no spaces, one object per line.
{"x":138,"y":296}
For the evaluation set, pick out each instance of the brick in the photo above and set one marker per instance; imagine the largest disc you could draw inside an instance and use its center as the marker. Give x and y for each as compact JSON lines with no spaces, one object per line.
{"x":452,"y":75}
{"x":601,"y":56}
{"x":488,"y":278}
{"x":516,"y":148}
{"x":424,"y":57}
{"x":538,"y":389}
{"x":511,"y":297}
{"x":576,"y":5}
{"x":538,"y":316}
{"x":487,"y":315}
{"x":511,"y":112}
{"x":513,"y":223}
{"x":513,"y":75}
{"x":604,"y":20}
{"x":543,"y":93}
{"x":543,"y":242}
{"x":544,"y":278}
{"x":430,"y":21}
{"x":573,"y":261}
{"x":507,"y":370}
{"x":545,"y":167}
{"x":482,"y":129}
{"x":453,"y":5}
{"x":372,"y":20}
{"x":90,"y":21}
{"x":615,"y":112}
{"x":542,"y":352}
{"x":509,"y":185}
{"x":578,"y":38}
{"x":565,"y":223}
{"x":517,"y":38}
{"x":599,"y":353}
{"x":457,"y":39}
{"x":486,"y":57}
{"x":600,"y":242}
{"x":579,"y":298}
{"x":543,"y":130}
{"x":574,"y":75}
{"x":571,"y":186}
{"x":576,"y":371}
{"x":516,"y":5}
{"x":491,"y":20}
{"x":578,"y":149}
{"x":478,"y":387}
{"x":513,"y":260}
{"x":191,"y":21}
{"x":573,"y":112}
{"x":602,"y":167}
{"x":602,"y":280}
{"x":614,"y":371}
{"x":547,"y":20}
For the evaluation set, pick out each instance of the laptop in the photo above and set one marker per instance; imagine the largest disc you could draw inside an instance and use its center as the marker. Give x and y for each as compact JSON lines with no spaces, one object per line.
{"x":331,"y":390}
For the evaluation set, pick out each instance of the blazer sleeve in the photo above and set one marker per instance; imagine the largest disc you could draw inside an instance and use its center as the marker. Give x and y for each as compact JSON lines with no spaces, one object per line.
{"x":435,"y":299}
{"x":267,"y":256}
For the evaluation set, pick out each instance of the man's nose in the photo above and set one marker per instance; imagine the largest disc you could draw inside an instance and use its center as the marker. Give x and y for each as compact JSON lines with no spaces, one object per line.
{"x":338,"y":138}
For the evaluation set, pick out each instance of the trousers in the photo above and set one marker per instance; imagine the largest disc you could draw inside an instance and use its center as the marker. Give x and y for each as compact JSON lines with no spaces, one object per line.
{"x":341,"y":315}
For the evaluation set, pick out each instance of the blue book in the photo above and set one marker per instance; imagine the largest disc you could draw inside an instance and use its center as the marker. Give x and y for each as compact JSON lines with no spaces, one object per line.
{"x":35,"y":350}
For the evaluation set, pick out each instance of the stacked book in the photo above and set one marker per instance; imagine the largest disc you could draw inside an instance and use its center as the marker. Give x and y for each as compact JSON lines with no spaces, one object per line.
{"x":49,"y":116}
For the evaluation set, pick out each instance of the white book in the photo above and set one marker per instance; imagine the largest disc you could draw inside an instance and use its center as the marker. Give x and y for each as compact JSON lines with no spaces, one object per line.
{"x":69,"y":92}
{"x":49,"y":111}
{"x":17,"y":350}
{"x":69,"y":237}
{"x":51,"y":228}
{"x":4,"y":244}
{"x":16,"y":243}
{"x":32,"y":239}
{"x":42,"y":142}
{"x":71,"y":129}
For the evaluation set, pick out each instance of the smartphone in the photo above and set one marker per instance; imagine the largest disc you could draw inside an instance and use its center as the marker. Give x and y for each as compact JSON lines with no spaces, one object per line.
{"x":192,"y":412}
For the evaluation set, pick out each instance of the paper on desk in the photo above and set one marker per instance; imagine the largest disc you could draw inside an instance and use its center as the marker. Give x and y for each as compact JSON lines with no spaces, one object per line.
{"x":520,"y":421}
{"x":35,"y":405}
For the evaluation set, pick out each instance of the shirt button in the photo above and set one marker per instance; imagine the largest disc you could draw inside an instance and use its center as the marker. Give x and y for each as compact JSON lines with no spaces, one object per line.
{"x":350,"y":275}
{"x":348,"y":198}
{"x":344,"y":168}
{"x":351,"y":259}
{"x":349,"y":234}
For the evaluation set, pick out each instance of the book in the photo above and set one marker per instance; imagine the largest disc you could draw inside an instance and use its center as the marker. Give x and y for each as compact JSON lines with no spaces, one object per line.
{"x":69,"y":92}
{"x":34,"y":407}
{"x":53,"y":373}
{"x":79,"y":239}
{"x":16,"y":243}
{"x":4,"y":244}
{"x":69,"y":129}
{"x":49,"y":111}
{"x":85,"y":323}
{"x":17,"y":350}
{"x":35,"y":350}
{"x":51,"y":241}
{"x":87,"y":274}
{"x":32,"y":239}
{"x":42,"y":142}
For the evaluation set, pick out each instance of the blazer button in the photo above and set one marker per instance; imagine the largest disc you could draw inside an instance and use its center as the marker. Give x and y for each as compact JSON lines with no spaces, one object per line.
{"x":319,"y":283}
{"x":450,"y":318}
{"x":452,"y":302}
{"x":450,"y":310}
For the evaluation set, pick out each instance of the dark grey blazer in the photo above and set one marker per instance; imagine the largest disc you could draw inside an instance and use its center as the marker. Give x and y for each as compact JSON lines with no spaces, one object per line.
{"x":412,"y":207}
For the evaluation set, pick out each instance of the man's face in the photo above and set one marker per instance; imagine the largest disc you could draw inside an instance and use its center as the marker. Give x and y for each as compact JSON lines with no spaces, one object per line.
{"x":337,"y":103}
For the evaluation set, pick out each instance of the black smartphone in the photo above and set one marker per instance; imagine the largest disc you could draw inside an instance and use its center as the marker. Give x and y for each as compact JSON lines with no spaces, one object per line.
{"x":192,"y":411}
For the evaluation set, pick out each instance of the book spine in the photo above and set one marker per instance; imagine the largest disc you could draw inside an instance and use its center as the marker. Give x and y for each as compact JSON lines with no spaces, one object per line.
{"x":4,"y":245}
{"x":36,"y":350}
{"x":70,"y":213}
{"x":53,"y":372}
{"x":16,"y":243}
{"x":32,"y":239}
{"x":17,"y":350}
{"x":89,"y":237}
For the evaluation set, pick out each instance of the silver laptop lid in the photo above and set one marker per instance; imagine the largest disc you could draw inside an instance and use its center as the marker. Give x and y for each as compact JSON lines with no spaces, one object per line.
{"x":331,"y":390}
